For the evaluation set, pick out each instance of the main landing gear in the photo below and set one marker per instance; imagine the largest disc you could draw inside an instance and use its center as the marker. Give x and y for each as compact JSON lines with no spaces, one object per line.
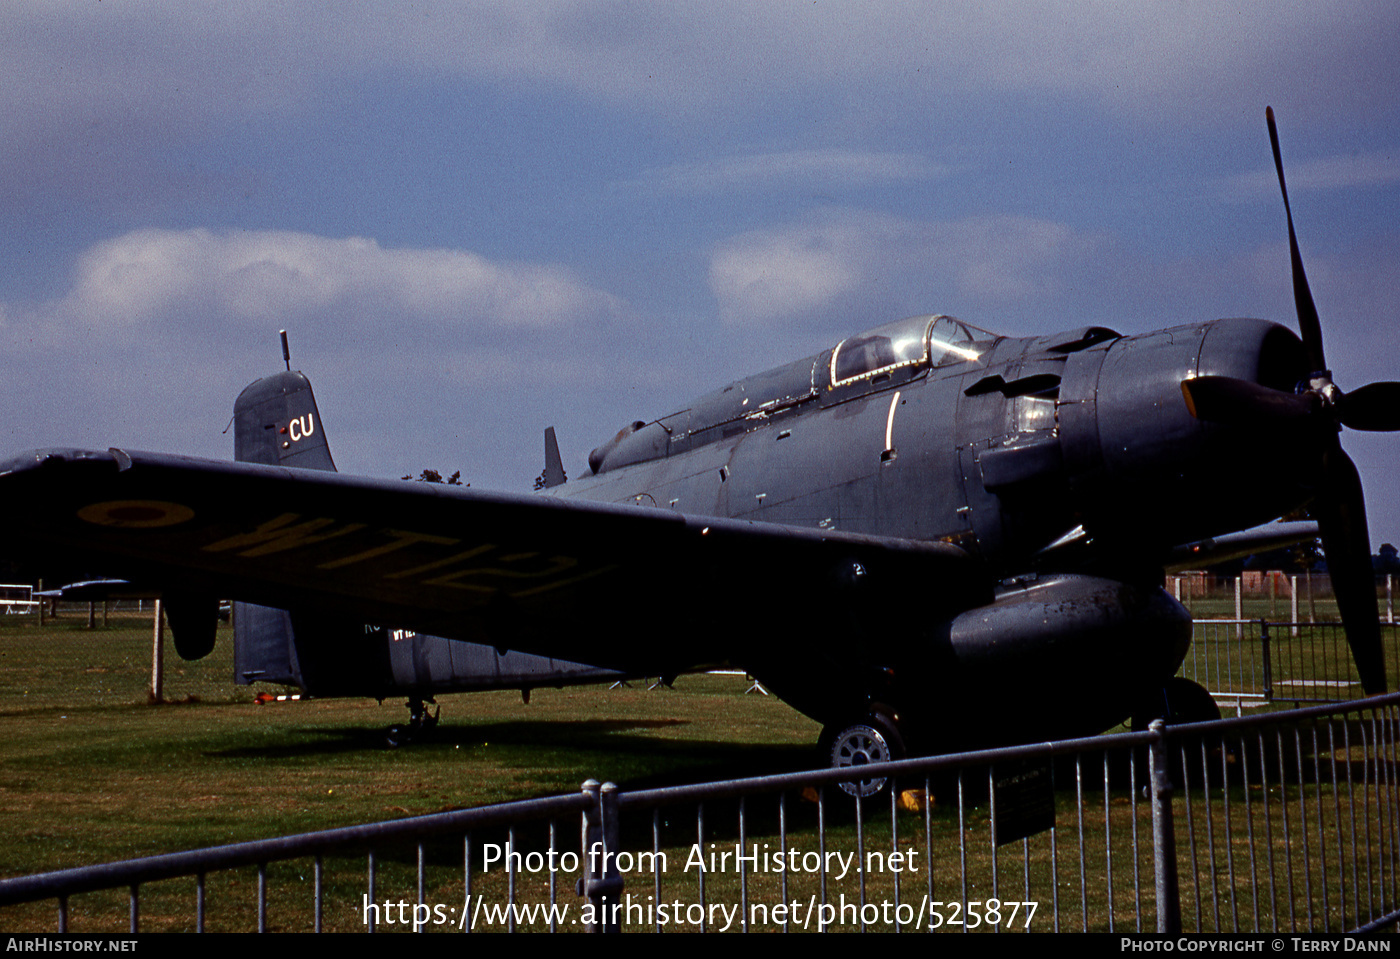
{"x":1178,"y":701}
{"x":1181,"y":701}
{"x":871,"y":739}
{"x":418,"y":723}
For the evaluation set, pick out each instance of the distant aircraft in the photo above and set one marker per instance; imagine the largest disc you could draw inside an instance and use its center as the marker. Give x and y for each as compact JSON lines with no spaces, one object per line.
{"x":926,"y":535}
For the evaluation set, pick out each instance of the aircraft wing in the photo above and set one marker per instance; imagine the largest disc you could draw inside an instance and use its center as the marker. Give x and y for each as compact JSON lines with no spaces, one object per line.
{"x":1259,"y":539}
{"x":618,"y":586}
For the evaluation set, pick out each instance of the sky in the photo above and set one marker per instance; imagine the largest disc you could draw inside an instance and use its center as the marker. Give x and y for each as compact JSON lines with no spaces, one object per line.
{"x":479,"y":219}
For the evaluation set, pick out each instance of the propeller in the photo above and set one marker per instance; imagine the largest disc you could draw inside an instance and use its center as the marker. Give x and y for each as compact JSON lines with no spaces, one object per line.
{"x":1319,"y":404}
{"x":1374,"y":407}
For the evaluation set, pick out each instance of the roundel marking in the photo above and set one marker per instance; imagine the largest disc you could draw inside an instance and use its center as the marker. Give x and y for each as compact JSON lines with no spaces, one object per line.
{"x":135,"y":513}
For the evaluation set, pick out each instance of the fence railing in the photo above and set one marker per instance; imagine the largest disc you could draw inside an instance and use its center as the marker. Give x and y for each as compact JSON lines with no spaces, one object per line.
{"x":1284,"y":821}
{"x":1243,"y":660}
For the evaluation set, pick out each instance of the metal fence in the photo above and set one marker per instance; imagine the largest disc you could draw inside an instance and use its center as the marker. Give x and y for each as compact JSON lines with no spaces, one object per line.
{"x":1252,"y":661}
{"x":1279,"y":822}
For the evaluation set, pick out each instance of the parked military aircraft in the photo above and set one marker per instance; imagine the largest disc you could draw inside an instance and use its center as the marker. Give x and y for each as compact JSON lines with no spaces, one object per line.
{"x":927,"y":533}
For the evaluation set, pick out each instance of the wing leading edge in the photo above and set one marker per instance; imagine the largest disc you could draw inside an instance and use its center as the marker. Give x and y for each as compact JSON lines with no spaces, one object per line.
{"x":618,"y":586}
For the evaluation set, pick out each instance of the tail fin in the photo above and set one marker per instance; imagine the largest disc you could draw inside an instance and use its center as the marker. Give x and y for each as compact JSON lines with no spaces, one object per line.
{"x":276,"y":423}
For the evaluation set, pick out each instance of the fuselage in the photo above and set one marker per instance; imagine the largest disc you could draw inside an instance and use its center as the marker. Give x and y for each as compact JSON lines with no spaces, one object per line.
{"x":1068,"y":466}
{"x":1020,"y":450}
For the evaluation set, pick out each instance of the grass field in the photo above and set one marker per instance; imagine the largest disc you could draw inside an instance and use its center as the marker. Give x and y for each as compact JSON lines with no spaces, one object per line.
{"x":92,"y":773}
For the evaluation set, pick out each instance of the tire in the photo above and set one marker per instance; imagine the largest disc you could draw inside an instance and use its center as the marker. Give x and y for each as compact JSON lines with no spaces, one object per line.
{"x":1178,"y":701}
{"x":873,"y":739}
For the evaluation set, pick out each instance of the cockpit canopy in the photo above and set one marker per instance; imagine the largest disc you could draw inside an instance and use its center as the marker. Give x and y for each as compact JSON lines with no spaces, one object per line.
{"x":917,"y":341}
{"x":884,"y":357}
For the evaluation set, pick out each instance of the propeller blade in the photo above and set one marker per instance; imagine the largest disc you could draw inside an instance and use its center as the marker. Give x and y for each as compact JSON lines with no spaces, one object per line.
{"x":1225,"y":399}
{"x":1308,"y":322}
{"x":1374,"y":407}
{"x":1341,"y":513}
{"x":1340,"y":506}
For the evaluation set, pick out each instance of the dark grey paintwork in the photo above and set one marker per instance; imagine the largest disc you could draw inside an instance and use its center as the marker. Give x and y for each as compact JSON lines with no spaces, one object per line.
{"x":1001,"y":454}
{"x":966,"y":545}
{"x":1067,"y":466}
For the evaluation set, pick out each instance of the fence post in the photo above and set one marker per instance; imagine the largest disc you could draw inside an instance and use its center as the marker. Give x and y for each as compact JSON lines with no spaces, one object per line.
{"x":1239,"y":609}
{"x":1268,"y":663}
{"x":1163,"y":834}
{"x":601,"y":882}
{"x":157,"y":690}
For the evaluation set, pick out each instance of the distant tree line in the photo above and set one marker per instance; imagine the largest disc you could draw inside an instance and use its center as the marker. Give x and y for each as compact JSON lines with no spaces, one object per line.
{"x":433,"y":476}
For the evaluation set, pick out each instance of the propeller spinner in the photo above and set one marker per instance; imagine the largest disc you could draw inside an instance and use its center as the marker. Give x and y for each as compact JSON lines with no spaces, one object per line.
{"x":1318,"y":403}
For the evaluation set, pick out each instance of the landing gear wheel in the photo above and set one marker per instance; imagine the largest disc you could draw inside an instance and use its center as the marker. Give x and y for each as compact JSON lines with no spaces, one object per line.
{"x":1181,"y":701}
{"x":419,"y":721}
{"x":871,"y":740}
{"x":1178,"y":701}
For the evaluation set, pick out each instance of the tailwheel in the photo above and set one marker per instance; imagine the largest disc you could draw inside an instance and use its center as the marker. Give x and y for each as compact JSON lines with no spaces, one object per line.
{"x":873,"y":739}
{"x":419,"y":722}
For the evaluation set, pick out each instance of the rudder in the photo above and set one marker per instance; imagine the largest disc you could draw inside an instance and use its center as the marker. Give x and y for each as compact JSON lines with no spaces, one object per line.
{"x":276,"y":423}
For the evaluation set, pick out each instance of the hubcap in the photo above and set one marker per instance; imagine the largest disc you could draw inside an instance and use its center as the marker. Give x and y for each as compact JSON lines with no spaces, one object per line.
{"x":860,"y":745}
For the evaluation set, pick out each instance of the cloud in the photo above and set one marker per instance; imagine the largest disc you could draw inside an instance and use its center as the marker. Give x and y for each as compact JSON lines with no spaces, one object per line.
{"x":1192,"y":58}
{"x":775,"y":275}
{"x":159,"y":63}
{"x":255,"y":277}
{"x":160,"y":329}
{"x":199,"y":301}
{"x":829,"y":169}
{"x":770,"y":274}
{"x":1357,"y":170}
